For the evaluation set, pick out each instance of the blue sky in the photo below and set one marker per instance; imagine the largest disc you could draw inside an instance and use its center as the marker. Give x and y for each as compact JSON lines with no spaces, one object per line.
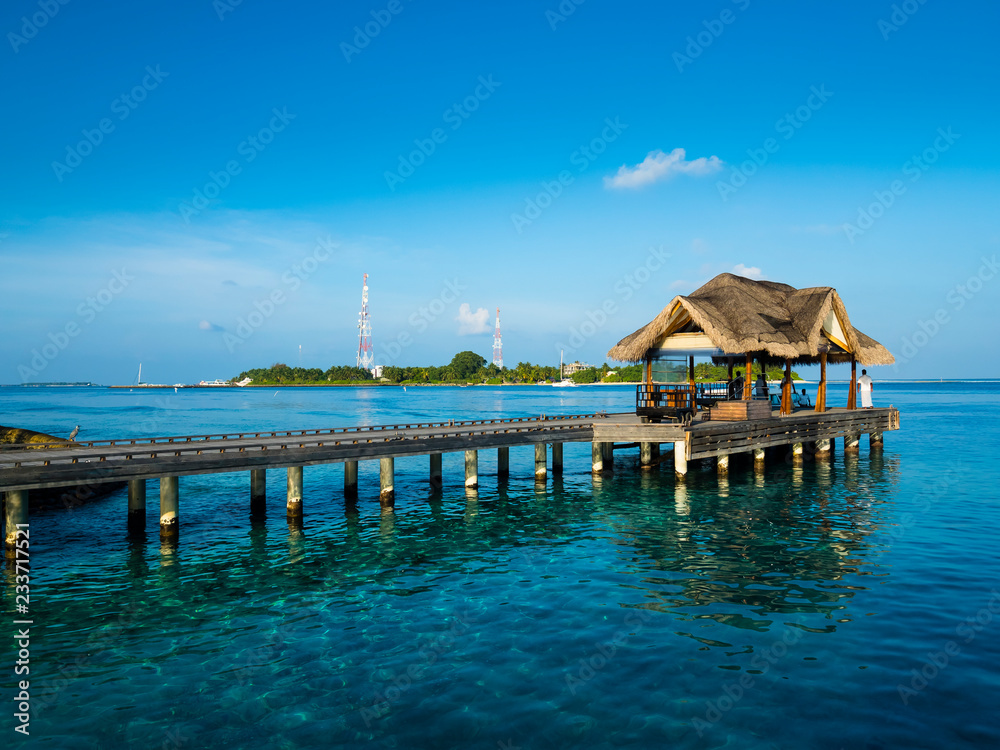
{"x":200,"y":186}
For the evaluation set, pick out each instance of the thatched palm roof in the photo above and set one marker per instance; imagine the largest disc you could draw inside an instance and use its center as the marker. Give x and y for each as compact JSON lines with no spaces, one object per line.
{"x":765,"y":318}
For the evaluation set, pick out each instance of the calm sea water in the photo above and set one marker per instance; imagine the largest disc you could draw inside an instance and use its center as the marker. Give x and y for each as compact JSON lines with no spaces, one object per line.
{"x":854,"y":604}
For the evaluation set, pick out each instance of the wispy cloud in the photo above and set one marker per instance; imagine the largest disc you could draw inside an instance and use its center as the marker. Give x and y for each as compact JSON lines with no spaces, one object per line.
{"x":660,"y":166}
{"x":471,"y":323}
{"x":206,"y":326}
{"x":751,"y":272}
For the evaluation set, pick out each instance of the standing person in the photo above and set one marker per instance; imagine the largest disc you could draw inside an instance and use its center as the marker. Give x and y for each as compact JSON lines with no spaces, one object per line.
{"x":865,"y":387}
{"x":736,"y":387}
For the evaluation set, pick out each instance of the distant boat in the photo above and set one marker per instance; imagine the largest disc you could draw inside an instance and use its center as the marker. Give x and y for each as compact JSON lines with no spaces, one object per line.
{"x":563,"y":382}
{"x":215,"y":382}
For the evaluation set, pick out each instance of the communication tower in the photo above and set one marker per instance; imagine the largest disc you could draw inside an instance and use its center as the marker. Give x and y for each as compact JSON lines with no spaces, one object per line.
{"x":497,"y":344}
{"x":366,"y":357}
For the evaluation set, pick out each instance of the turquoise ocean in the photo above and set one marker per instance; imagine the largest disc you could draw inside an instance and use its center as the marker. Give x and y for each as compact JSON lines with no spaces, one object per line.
{"x":845,"y":604}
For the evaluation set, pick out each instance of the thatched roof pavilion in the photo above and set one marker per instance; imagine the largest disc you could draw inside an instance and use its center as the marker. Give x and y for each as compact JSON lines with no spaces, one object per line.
{"x":732,"y":316}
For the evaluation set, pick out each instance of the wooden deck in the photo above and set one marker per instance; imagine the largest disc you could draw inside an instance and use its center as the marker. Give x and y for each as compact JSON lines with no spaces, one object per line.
{"x":98,"y":462}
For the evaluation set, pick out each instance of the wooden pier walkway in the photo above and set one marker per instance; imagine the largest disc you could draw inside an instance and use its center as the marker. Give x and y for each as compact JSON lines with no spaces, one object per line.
{"x":24,"y":468}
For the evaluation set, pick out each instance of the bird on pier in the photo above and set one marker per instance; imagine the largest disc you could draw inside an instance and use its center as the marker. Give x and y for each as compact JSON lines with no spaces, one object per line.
{"x":74,"y":433}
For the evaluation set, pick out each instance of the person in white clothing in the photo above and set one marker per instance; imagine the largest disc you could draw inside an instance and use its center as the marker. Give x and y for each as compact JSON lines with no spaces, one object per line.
{"x":865,"y":387}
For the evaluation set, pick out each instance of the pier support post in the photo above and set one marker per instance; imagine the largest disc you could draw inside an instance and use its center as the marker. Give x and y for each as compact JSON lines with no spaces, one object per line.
{"x":680,"y":459}
{"x":597,"y":458}
{"x":350,"y":478}
{"x":258,"y":492}
{"x":823,"y":452}
{"x":557,"y":458}
{"x":875,"y":441}
{"x":758,"y":459}
{"x":471,"y":470}
{"x":386,"y":482}
{"x":16,"y":513}
{"x":797,"y":453}
{"x":136,"y":506}
{"x":541,"y":451}
{"x":852,"y":442}
{"x":503,"y":463}
{"x":646,"y":455}
{"x":169,"y":508}
{"x":655,"y":451}
{"x":294,"y":483}
{"x":609,"y":456}
{"x":435,"y":478}
{"x":722,"y":464}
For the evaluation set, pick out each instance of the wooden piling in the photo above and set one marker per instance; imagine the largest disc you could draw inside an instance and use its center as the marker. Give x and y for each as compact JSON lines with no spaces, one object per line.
{"x":169,"y":508}
{"x":597,"y":458}
{"x":680,"y":459}
{"x":294,"y":484}
{"x":350,"y":479}
{"x":503,"y":463}
{"x":258,"y":493}
{"x":722,"y":464}
{"x":15,"y":514}
{"x":540,"y":459}
{"x":609,"y":456}
{"x":823,"y":452}
{"x":386,"y":480}
{"x":646,"y":455}
{"x":875,"y":441}
{"x":852,"y":442}
{"x":797,"y":453}
{"x":471,"y":470}
{"x":557,"y":458}
{"x":758,"y":459}
{"x":136,"y":506}
{"x":435,"y":471}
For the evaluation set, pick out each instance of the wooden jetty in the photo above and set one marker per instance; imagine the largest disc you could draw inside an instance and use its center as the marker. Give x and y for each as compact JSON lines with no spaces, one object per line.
{"x":30,"y":467}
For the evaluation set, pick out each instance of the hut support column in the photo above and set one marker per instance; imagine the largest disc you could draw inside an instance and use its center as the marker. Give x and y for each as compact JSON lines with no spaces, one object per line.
{"x":350,"y":478}
{"x":722,"y":464}
{"x":747,"y":378}
{"x":597,"y":458}
{"x":694,"y":388}
{"x":875,"y":441}
{"x":758,"y":459}
{"x":852,"y":393}
{"x":386,"y":482}
{"x":786,"y":389}
{"x":16,"y":515}
{"x":503,"y":463}
{"x":136,"y":506}
{"x":169,"y":508}
{"x":293,"y":505}
{"x":680,"y":459}
{"x":557,"y":459}
{"x":471,"y":470}
{"x":435,"y":471}
{"x":821,"y":389}
{"x":540,"y":458}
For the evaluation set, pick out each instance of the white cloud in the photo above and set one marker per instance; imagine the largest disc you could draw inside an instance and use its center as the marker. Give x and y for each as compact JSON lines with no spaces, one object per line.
{"x":206,"y":326}
{"x":751,"y":272}
{"x":660,"y":166}
{"x":471,"y":323}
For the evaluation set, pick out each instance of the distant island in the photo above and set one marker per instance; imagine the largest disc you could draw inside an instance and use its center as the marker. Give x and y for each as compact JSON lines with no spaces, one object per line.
{"x":468,"y":367}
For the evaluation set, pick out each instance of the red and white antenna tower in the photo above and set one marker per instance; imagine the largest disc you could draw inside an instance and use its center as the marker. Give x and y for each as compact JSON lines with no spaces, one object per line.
{"x":497,"y":344}
{"x":366,"y":357}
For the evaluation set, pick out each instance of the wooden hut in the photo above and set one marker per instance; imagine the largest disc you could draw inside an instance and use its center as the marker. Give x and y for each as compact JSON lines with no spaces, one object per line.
{"x":735,"y":320}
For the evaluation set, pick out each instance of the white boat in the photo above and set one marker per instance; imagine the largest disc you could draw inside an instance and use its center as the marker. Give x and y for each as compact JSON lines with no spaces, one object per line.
{"x":563,"y":382}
